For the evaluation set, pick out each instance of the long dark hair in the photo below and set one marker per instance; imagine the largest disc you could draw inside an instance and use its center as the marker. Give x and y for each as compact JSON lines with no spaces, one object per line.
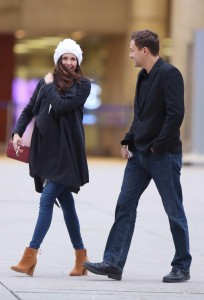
{"x":64,"y":77}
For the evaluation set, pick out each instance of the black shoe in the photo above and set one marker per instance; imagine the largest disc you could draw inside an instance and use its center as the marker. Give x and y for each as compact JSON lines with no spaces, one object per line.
{"x":176,"y":276}
{"x":103,"y":269}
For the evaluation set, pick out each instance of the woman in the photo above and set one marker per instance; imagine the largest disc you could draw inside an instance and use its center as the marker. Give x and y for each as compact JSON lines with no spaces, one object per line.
{"x":57,"y":159}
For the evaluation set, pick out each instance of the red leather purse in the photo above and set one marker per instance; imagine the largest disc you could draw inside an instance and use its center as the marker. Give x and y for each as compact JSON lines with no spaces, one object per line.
{"x":21,"y":156}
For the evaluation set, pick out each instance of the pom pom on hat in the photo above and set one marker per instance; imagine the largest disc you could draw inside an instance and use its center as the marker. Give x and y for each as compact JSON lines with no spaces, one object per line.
{"x":68,"y":46}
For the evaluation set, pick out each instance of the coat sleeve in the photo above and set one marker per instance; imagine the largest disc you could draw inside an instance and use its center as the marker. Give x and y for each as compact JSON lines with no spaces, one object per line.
{"x":174,"y":102}
{"x":27,"y":113}
{"x":129,"y":137}
{"x":63,"y":105}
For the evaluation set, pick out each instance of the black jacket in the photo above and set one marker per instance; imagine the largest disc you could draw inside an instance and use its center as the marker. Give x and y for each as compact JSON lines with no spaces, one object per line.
{"x":57,"y":144}
{"x":157,"y":121}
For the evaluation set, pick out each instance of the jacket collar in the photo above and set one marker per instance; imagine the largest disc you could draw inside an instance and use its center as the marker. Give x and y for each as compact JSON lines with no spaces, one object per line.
{"x":151,"y":75}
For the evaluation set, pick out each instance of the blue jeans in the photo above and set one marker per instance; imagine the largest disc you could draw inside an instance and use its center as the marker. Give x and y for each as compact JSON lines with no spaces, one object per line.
{"x":49,"y":194}
{"x":164,"y":169}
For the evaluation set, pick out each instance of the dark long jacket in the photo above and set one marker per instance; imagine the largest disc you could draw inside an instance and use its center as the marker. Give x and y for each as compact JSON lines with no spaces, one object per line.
{"x":159,"y":116}
{"x":58,"y":143}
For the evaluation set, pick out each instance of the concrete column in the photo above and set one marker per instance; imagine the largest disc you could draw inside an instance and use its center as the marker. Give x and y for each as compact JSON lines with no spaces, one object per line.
{"x":186,"y":18}
{"x":198,"y":94}
{"x":7,"y":72}
{"x":142,"y":14}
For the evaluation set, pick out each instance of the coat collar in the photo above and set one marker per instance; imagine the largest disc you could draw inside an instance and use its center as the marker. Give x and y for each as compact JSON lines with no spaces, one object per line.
{"x":151,"y":75}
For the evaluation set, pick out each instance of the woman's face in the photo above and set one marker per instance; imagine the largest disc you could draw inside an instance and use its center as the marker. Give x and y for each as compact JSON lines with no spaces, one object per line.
{"x":69,"y":60}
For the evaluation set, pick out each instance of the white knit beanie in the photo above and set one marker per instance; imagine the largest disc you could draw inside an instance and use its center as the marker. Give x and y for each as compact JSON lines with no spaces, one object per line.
{"x":68,"y":46}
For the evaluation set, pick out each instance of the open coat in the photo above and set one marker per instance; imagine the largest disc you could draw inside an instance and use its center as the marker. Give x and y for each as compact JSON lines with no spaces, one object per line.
{"x":58,"y":143}
{"x":157,"y":120}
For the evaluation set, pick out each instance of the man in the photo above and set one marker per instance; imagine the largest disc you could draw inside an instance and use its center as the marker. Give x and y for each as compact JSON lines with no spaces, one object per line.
{"x":154,"y":140}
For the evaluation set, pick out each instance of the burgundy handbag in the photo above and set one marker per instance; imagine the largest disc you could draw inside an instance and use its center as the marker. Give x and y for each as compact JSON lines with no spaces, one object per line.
{"x":21,"y":156}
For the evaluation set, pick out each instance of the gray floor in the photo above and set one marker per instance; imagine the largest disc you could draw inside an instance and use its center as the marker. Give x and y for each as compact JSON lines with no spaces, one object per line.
{"x":151,"y":249}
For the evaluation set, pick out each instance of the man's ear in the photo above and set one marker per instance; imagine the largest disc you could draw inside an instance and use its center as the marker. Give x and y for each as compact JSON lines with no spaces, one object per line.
{"x":145,"y":50}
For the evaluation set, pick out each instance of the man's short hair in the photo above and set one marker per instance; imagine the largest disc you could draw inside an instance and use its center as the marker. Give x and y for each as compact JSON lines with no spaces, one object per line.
{"x":146,"y":38}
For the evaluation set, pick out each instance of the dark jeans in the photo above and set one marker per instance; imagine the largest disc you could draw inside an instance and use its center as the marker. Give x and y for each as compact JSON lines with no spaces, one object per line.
{"x":50,"y":192}
{"x":164,"y":169}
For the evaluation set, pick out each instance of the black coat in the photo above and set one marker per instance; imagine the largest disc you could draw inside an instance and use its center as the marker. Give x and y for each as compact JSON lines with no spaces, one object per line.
{"x":57,"y":144}
{"x":157,"y":120}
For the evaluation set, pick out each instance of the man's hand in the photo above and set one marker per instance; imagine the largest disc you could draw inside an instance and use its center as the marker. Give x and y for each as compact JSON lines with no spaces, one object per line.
{"x":125,"y":153}
{"x":152,"y":150}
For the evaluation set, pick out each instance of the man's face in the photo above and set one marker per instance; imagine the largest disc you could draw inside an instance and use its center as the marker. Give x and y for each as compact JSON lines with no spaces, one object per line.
{"x":136,"y":54}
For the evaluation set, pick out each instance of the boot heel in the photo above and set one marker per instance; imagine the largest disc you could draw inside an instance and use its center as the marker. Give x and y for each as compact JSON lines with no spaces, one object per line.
{"x":28,"y":262}
{"x":31,"y":270}
{"x":80,"y":258}
{"x":84,"y":272}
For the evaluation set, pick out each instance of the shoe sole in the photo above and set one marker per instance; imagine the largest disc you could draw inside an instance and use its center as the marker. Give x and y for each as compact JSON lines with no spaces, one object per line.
{"x":176,"y":280}
{"x":110,"y":275}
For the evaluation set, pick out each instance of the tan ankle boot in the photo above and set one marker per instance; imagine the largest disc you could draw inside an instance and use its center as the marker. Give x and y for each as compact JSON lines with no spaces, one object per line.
{"x":28,"y":262}
{"x":79,"y":269}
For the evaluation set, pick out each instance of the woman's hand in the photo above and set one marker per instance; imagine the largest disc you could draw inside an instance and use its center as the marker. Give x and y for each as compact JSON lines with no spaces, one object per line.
{"x":17,"y":142}
{"x":49,"y":78}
